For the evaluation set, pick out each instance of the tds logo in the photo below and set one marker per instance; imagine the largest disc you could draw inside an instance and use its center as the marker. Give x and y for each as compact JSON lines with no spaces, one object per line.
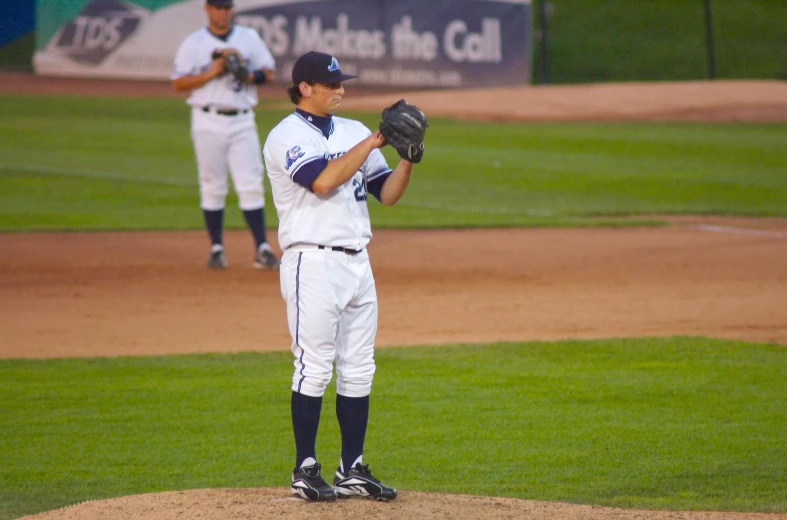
{"x":98,"y":30}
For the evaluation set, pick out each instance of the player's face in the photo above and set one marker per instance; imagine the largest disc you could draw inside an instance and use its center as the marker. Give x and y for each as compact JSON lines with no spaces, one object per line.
{"x":325,"y":99}
{"x":219,"y":18}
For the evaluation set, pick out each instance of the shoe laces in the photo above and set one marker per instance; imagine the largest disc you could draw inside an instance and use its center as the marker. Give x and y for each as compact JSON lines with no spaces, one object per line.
{"x":363,"y":469}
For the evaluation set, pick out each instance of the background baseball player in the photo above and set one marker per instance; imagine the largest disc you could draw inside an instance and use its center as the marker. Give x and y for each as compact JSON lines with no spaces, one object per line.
{"x":222,"y":64}
{"x":321,"y":168}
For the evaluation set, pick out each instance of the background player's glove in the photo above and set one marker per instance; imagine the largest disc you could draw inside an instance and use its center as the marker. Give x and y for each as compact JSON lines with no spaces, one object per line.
{"x":404,"y":127}
{"x":236,"y":67}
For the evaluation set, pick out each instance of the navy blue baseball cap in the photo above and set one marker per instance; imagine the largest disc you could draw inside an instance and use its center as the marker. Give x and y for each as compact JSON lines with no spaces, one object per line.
{"x":318,"y":67}
{"x":219,"y":3}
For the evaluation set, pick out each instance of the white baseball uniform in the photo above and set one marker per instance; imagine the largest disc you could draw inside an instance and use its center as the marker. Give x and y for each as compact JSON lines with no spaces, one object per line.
{"x":223,"y":127}
{"x":330,"y":293}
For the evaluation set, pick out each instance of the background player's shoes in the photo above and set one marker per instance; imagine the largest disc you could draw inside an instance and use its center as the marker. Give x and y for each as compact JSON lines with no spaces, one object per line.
{"x":266,"y":259}
{"x":359,"y":482}
{"x":217,"y":260}
{"x":307,"y":483}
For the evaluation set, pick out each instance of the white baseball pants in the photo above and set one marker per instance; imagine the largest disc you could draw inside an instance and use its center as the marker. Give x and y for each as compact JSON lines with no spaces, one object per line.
{"x":332,"y":316}
{"x":222,"y":141}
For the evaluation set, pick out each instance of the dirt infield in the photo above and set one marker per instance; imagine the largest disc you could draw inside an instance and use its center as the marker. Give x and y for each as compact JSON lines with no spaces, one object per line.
{"x":95,"y":294}
{"x":720,"y":100}
{"x":107,"y":294}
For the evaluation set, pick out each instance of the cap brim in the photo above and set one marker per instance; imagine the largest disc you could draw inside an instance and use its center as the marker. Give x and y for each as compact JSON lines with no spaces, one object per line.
{"x":335,"y":79}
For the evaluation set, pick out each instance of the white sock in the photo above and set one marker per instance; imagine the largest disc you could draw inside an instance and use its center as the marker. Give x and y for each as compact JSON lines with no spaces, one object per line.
{"x":216,"y":247}
{"x":309,"y":461}
{"x":359,"y":460}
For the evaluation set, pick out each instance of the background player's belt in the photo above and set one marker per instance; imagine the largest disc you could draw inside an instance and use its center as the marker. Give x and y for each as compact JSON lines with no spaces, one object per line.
{"x":346,"y":250}
{"x":225,"y":112}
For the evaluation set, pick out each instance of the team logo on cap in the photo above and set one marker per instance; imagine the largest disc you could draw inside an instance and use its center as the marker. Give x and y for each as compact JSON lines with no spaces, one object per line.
{"x":334,"y":66}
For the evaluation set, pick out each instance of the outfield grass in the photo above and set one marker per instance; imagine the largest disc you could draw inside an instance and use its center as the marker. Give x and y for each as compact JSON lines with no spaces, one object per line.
{"x":674,"y":423}
{"x":98,"y":163}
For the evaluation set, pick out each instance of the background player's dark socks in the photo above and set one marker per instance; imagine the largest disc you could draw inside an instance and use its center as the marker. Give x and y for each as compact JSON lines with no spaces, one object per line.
{"x":214,"y":222}
{"x":305,"y":420}
{"x":255,"y":218}
{"x":353,"y":416}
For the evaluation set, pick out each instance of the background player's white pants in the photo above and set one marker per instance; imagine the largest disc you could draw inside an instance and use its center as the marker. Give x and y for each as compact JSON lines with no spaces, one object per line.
{"x":332,"y":315}
{"x":222,"y":141}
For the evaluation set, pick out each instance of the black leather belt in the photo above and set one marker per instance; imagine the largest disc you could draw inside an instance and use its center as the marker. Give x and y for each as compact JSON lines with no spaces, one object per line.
{"x":226,"y":112}
{"x":345,"y":250}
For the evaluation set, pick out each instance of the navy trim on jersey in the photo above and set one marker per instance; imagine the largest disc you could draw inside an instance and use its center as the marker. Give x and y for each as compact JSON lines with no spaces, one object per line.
{"x":374,"y":183}
{"x":309,"y":171}
{"x":323,"y":124}
{"x":298,"y":317}
{"x":223,"y":37}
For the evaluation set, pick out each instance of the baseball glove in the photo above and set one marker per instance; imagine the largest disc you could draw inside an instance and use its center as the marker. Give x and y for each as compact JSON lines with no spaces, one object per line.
{"x":234,"y":65}
{"x":404,"y":127}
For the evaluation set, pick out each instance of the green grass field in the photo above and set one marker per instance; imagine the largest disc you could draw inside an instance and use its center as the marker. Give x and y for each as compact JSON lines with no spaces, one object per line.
{"x":674,"y":423}
{"x":86,"y":163}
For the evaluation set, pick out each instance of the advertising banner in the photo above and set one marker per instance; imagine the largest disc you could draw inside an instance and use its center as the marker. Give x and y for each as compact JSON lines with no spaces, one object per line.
{"x":408,"y":43}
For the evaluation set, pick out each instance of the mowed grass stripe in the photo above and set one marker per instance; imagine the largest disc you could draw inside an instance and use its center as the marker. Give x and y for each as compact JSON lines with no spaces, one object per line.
{"x":473,"y":174}
{"x":670,"y":423}
{"x":92,"y":174}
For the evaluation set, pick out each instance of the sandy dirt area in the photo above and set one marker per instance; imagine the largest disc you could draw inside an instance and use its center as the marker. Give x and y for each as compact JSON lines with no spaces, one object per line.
{"x":110,"y":294}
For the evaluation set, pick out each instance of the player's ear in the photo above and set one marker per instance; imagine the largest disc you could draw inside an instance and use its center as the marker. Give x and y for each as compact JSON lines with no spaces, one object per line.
{"x":305,"y":88}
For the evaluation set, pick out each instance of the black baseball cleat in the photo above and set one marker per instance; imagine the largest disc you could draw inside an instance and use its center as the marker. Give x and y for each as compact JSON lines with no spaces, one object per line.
{"x":359,"y":482}
{"x":307,"y":483}
{"x":265,"y":259}
{"x":217,"y":260}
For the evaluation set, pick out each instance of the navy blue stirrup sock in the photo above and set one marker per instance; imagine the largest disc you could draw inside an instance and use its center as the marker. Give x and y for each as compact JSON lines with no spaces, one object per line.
{"x":255,"y":218}
{"x":214,"y":222}
{"x":305,"y":421}
{"x":353,"y":416}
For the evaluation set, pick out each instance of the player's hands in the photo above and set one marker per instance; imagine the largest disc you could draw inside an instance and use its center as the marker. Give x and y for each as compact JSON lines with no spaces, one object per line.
{"x":217,"y":67}
{"x":234,"y":64}
{"x":377,"y":140}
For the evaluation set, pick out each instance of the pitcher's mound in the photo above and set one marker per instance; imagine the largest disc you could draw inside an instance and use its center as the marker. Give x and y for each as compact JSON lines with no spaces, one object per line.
{"x":279,"y":504}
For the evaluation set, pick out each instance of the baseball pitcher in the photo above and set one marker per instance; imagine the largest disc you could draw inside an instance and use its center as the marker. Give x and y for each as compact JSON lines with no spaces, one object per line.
{"x":321,"y":169}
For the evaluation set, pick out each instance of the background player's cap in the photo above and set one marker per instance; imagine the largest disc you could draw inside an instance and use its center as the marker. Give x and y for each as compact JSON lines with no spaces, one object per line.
{"x":318,"y":67}
{"x":219,"y":3}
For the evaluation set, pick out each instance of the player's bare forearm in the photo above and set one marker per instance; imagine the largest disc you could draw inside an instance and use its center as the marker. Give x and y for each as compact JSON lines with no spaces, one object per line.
{"x":340,"y":170}
{"x":186,"y":83}
{"x":396,"y":183}
{"x":194,"y":81}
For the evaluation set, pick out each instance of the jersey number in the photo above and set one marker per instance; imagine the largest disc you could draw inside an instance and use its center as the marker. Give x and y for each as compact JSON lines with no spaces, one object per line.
{"x":237,"y":86}
{"x":360,"y":190}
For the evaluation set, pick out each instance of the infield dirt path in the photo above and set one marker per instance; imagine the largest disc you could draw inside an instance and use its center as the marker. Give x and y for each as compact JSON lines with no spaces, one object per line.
{"x":108,"y":294}
{"x":98,"y":294}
